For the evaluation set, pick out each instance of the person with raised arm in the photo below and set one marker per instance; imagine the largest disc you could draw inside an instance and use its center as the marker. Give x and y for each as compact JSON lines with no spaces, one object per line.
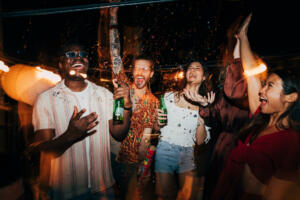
{"x":265,"y":163}
{"x":226,"y":115}
{"x":134,"y":147}
{"x":182,"y":131}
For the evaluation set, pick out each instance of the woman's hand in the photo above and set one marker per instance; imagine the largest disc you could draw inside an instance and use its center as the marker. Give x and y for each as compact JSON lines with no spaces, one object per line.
{"x":244,"y":28}
{"x":202,"y":100}
{"x":161,"y":119}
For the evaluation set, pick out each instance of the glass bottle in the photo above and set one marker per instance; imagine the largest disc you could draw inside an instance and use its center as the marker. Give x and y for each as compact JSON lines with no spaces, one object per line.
{"x":118,"y":110}
{"x":164,"y":108}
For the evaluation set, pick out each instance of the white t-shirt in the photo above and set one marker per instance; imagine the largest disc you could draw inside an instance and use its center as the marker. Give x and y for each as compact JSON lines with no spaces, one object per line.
{"x":83,"y":97}
{"x":69,"y":172}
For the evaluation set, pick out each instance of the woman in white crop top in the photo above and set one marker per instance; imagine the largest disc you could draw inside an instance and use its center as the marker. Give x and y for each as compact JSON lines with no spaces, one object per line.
{"x":174,"y":160}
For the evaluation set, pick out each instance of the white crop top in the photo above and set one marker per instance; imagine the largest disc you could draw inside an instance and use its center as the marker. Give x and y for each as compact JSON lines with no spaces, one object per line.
{"x":182,"y":124}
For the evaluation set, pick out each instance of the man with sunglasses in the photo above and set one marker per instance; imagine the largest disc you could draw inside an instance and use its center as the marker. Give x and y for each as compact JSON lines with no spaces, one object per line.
{"x":72,"y":123}
{"x":134,"y":147}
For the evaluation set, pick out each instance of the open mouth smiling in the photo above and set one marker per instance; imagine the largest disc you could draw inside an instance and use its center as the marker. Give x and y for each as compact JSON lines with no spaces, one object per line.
{"x":263,"y":100}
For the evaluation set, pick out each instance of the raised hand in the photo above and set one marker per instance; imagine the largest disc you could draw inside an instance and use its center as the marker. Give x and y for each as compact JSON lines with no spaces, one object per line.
{"x":211,"y":97}
{"x":196,"y":97}
{"x":236,"y":50}
{"x":80,"y":127}
{"x":244,"y":28}
{"x":113,"y":10}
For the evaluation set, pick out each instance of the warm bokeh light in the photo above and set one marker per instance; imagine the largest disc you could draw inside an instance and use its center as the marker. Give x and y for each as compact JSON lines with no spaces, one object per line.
{"x":45,"y":74}
{"x":104,"y":80}
{"x":257,"y":70}
{"x":3,"y":67}
{"x":179,"y":75}
{"x":24,"y":83}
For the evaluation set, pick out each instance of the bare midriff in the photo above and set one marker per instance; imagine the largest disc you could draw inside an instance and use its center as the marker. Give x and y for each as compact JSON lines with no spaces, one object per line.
{"x":250,"y":183}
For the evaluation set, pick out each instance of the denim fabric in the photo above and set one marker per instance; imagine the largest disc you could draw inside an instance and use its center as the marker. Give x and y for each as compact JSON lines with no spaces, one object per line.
{"x":170,"y":158}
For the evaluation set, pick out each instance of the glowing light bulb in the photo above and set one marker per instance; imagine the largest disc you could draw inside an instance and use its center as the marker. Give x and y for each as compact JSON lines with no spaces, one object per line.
{"x":180,"y":75}
{"x":48,"y":75}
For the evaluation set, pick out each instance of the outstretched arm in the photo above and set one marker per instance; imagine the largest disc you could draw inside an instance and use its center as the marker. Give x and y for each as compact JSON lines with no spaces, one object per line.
{"x":249,"y":63}
{"x":202,"y":100}
{"x":114,"y":42}
{"x":115,"y":49}
{"x":235,"y":84}
{"x":236,"y":50}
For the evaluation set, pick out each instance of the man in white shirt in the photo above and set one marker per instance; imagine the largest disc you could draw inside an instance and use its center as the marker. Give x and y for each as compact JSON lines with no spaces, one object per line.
{"x":72,"y":122}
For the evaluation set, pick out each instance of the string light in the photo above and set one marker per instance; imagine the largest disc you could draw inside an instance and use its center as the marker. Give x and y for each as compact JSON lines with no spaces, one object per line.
{"x":3,"y":67}
{"x":179,"y":75}
{"x":45,"y":74}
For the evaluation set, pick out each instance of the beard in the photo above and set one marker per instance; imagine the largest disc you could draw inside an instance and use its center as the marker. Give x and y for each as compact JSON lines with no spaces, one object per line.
{"x":75,"y":69}
{"x":74,"y":77}
{"x":77,"y":76}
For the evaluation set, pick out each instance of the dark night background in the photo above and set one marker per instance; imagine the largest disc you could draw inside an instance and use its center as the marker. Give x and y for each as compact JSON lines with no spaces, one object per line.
{"x":171,"y":31}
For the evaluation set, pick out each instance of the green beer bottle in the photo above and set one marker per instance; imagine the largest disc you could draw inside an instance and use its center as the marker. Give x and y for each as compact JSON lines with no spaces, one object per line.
{"x":118,"y":110}
{"x":164,"y":108}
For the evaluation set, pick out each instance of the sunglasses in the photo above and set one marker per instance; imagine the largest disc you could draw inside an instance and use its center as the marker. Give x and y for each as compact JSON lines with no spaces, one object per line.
{"x":74,"y":54}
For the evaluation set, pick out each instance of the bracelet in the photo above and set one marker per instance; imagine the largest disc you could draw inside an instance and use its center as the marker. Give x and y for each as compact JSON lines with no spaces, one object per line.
{"x":203,"y":105}
{"x":254,"y":71}
{"x":129,"y":108}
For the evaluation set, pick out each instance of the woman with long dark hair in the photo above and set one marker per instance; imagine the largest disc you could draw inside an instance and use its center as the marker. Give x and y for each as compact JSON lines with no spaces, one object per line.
{"x":226,"y":115}
{"x":265,"y":163}
{"x":174,"y":161}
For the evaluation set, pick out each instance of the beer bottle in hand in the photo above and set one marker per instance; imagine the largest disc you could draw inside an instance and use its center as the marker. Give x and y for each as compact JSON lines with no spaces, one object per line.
{"x":164,"y":108}
{"x":118,"y":110}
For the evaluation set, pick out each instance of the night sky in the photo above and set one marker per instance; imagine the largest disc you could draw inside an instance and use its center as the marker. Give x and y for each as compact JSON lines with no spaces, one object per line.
{"x":171,"y":31}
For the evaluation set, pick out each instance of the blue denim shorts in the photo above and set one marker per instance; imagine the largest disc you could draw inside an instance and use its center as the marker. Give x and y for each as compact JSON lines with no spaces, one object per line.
{"x":170,"y":158}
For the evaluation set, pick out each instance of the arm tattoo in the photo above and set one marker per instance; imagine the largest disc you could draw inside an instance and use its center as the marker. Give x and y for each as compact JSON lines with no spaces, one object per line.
{"x":117,"y":61}
{"x":113,"y":20}
{"x":115,"y":50}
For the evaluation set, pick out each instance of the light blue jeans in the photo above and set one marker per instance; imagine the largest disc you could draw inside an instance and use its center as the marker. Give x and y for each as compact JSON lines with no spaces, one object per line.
{"x":170,"y":158}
